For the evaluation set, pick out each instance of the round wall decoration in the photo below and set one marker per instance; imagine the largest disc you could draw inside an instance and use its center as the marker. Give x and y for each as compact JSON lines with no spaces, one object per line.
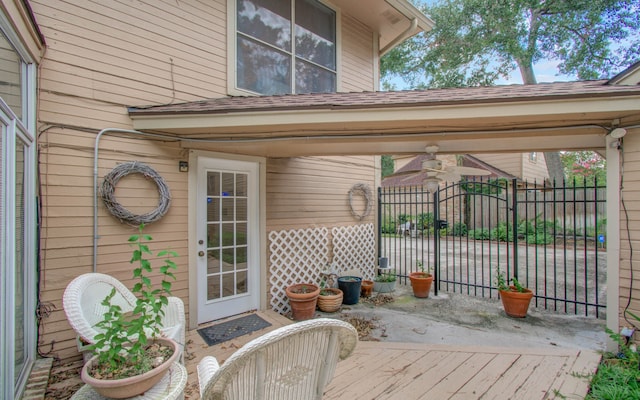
{"x":363,"y":190}
{"x":107,"y":192}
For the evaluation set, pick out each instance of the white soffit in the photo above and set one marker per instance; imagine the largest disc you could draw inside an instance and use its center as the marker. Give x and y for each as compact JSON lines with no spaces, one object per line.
{"x":390,"y":18}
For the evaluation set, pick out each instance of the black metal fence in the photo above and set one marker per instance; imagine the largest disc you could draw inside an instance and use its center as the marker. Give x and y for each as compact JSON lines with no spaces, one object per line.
{"x":550,"y":238}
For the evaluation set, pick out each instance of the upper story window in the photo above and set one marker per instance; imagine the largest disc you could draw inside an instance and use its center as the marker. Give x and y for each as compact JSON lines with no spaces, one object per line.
{"x":285,"y":46}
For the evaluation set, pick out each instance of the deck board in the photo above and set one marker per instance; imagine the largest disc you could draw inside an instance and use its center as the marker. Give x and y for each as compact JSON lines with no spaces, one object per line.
{"x":408,"y":371}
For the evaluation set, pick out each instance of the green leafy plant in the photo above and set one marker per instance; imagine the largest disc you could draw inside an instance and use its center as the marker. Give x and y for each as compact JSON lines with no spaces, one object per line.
{"x":618,"y":375}
{"x":502,"y":283}
{"x":386,"y":277}
{"x":122,"y":346}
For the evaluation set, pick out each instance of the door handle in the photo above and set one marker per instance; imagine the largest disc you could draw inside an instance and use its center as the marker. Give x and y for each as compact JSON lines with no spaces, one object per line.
{"x":201,"y":253}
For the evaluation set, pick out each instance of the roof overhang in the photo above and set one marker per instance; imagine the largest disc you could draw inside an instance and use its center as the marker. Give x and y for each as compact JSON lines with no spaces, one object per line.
{"x":566,"y":115}
{"x":393,"y":20}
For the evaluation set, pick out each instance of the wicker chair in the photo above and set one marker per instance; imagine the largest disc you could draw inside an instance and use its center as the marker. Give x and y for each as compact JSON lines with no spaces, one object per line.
{"x":81,"y":302}
{"x":293,"y":362}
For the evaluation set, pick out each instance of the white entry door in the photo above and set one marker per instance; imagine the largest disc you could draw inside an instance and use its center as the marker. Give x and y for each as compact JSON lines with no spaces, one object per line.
{"x":228,"y":238}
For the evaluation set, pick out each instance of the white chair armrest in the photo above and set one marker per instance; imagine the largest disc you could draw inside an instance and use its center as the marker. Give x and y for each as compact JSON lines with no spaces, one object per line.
{"x":206,"y":368}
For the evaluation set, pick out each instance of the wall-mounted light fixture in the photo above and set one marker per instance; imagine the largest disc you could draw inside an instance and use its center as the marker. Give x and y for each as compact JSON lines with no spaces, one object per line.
{"x":618,"y":133}
{"x":183,"y":166}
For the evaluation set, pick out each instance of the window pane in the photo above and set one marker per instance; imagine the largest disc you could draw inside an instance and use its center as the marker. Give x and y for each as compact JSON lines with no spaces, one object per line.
{"x":262,"y":69}
{"x":241,"y":285}
{"x":266,"y":20}
{"x":20,"y":293}
{"x":313,"y":79}
{"x":315,"y":33}
{"x":10,"y":76}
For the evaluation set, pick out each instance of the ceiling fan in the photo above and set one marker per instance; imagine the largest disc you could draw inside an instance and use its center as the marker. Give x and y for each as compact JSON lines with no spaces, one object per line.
{"x":436,"y":172}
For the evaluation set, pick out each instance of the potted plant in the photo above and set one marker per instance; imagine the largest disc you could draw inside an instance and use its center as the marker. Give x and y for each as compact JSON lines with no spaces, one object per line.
{"x":366,"y":288}
{"x":350,"y":286}
{"x":329,"y":299}
{"x":385,"y":282}
{"x":421,"y":281}
{"x":515,"y":298}
{"x":303,"y":298}
{"x":130,"y":356}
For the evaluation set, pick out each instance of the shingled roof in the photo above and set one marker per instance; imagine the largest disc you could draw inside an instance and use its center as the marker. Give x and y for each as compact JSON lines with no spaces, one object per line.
{"x":410,"y":98}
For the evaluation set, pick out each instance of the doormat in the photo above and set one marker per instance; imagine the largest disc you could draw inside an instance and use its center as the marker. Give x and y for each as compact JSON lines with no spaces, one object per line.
{"x":215,"y":334}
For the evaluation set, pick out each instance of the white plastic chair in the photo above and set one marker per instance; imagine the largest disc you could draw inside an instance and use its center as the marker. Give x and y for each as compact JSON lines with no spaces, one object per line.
{"x":293,"y":362}
{"x":81,"y":302}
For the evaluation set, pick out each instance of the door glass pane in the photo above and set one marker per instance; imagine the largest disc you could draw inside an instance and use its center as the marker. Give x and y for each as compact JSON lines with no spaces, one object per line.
{"x":241,"y":284}
{"x":241,"y":234}
{"x":266,"y":20}
{"x":241,"y":185}
{"x":10,"y":76}
{"x":213,"y":209}
{"x":213,"y":235}
{"x":213,"y":287}
{"x":241,"y":209}
{"x":228,"y":184}
{"x":228,"y":209}
{"x":316,"y":33}
{"x":213,"y":261}
{"x":20,"y":293}
{"x":262,"y":69}
{"x":213,"y":184}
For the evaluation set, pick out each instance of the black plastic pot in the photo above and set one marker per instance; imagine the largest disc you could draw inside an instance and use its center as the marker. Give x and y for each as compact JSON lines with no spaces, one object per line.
{"x":350,"y":286}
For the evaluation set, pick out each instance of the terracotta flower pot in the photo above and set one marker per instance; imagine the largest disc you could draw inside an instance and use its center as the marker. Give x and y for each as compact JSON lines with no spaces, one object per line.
{"x":366,"y":288}
{"x":303,"y":298}
{"x":129,"y":387}
{"x":330,"y":299}
{"x":516,"y":304}
{"x":421,"y":283}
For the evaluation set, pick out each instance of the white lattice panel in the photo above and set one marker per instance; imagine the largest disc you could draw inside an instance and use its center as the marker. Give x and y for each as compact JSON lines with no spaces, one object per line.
{"x":354,"y":247}
{"x":296,"y":256}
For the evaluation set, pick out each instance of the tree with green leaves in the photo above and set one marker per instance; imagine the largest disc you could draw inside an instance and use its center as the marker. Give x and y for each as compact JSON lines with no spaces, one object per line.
{"x":477,"y":42}
{"x":584,"y":167}
{"x":387,"y":166}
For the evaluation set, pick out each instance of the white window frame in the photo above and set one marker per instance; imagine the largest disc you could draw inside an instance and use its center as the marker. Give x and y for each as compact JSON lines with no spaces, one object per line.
{"x":14,"y":128}
{"x":232,"y":78}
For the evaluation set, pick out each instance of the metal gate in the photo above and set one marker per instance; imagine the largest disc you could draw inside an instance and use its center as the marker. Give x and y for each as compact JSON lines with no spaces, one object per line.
{"x":550,"y":238}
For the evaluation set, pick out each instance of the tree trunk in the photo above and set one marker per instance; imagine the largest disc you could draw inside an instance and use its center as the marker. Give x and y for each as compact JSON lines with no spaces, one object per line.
{"x":552,"y":159}
{"x":554,"y":166}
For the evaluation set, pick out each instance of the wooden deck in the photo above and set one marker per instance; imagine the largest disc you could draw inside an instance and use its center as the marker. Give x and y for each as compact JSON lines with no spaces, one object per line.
{"x":386,"y":370}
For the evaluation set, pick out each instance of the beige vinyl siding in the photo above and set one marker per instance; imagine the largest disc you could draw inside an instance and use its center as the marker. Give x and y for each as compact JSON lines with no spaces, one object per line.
{"x":155,"y":53}
{"x":67,"y":216}
{"x":630,"y":232}
{"x":510,"y":163}
{"x":357,"y":56}
{"x":313,"y":191}
{"x":534,"y":171}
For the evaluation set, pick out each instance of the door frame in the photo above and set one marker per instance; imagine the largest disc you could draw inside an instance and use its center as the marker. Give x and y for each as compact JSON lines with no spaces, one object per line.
{"x":194,"y":157}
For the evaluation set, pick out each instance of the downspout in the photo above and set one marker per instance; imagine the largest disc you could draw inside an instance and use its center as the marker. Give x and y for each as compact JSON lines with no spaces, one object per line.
{"x":400,"y":38}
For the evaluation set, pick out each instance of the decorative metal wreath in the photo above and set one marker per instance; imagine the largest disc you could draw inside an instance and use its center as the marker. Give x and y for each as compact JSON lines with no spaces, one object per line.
{"x":107,"y":192}
{"x":364,"y":190}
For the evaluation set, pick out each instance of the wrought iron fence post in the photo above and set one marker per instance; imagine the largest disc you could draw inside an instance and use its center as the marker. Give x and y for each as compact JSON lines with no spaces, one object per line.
{"x":515,"y":226}
{"x":436,"y":240}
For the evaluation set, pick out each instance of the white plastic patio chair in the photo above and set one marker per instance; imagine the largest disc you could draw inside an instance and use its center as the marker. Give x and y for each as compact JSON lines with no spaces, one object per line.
{"x":81,"y":302}
{"x":293,"y":362}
